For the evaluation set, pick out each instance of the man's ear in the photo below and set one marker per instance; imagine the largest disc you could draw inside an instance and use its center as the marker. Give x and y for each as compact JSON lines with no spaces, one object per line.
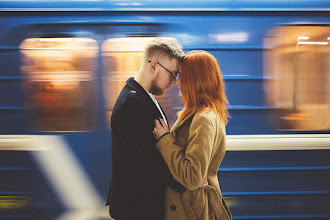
{"x":152,"y":66}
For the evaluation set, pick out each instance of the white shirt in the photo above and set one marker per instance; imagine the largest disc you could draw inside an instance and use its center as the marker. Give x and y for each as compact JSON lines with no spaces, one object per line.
{"x":157,"y":104}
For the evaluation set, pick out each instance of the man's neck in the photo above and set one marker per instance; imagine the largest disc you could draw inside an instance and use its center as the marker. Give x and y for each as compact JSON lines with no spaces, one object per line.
{"x":143,"y":82}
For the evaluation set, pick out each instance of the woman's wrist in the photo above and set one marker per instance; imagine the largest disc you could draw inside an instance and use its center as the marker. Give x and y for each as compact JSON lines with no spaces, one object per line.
{"x":162,"y":136}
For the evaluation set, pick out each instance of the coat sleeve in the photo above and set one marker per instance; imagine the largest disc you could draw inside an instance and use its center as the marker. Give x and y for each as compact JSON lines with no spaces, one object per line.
{"x":189,"y":166}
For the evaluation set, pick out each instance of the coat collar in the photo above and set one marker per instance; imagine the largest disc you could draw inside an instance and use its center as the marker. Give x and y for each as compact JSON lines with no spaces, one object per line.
{"x":178,"y":123}
{"x":140,"y":90}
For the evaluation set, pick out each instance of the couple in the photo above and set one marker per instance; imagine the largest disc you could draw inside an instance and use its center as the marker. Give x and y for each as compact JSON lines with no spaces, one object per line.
{"x":157,"y":174}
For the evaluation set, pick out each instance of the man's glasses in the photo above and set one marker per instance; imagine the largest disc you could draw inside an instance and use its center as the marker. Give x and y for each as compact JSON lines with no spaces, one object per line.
{"x":174,"y":76}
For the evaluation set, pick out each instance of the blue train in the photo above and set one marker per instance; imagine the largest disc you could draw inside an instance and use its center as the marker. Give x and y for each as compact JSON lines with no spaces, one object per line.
{"x":63,"y":64}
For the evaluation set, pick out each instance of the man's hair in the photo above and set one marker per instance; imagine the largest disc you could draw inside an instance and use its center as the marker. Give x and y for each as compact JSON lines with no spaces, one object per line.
{"x":163,"y":48}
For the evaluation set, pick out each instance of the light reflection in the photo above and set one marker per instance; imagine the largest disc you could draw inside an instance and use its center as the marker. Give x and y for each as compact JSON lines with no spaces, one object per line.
{"x":302,"y":38}
{"x":56,"y":0}
{"x":316,"y":43}
{"x":230,"y":37}
{"x":188,"y":38}
{"x":54,"y":39}
{"x":129,"y":4}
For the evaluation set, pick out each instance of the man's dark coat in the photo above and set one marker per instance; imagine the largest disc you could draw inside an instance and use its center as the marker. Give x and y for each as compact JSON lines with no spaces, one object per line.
{"x":139,"y":173}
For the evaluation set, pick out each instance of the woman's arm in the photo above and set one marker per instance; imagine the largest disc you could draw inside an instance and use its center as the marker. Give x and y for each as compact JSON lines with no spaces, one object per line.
{"x":189,"y":167}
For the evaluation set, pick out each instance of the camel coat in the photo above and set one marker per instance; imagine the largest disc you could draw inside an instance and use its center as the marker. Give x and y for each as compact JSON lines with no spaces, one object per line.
{"x":195,"y":147}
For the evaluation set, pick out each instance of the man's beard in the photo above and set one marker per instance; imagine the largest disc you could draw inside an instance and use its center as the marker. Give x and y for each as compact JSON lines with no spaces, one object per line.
{"x":154,"y":89}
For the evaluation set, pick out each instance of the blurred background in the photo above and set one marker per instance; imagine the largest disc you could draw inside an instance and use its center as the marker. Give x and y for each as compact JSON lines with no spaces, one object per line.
{"x":63,"y":66}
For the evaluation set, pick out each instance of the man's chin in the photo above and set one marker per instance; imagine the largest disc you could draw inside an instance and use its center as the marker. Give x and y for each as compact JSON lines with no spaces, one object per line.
{"x":155,"y":90}
{"x":159,"y":93}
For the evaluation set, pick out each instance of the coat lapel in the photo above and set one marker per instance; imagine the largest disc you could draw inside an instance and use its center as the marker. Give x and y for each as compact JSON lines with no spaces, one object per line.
{"x":164,"y":114}
{"x":178,"y":124}
{"x":139,"y":89}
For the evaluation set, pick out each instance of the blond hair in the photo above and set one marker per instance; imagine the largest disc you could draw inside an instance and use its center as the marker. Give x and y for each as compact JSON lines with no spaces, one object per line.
{"x":162,"y":47}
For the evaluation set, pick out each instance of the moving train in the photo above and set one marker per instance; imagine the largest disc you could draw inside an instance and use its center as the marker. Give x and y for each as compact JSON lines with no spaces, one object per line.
{"x":63,"y":64}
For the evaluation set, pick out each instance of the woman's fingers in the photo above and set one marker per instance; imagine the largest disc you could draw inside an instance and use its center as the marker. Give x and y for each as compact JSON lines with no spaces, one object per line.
{"x":205,"y":182}
{"x":163,"y":122}
{"x":160,"y":128}
{"x":157,"y":129}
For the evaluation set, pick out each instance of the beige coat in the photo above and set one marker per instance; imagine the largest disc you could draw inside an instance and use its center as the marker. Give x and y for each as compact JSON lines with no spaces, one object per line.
{"x":195,"y":147}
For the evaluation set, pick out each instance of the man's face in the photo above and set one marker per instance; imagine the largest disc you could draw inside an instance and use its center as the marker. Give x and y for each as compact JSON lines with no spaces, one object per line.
{"x":163,"y":79}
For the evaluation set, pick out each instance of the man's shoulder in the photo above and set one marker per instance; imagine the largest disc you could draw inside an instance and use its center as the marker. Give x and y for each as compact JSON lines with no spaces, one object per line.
{"x":130,"y":101}
{"x":130,"y":96}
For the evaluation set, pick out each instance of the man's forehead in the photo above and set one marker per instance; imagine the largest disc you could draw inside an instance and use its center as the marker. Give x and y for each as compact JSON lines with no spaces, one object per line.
{"x":175,"y":67}
{"x":174,"y":62}
{"x":171,"y":63}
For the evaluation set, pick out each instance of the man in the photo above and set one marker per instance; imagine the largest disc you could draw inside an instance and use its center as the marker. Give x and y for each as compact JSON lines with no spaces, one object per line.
{"x":139,"y":173}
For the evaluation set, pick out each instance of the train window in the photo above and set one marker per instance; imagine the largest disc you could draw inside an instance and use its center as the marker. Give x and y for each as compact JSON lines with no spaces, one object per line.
{"x":299,"y":66}
{"x":59,"y":82}
{"x":122,"y":57}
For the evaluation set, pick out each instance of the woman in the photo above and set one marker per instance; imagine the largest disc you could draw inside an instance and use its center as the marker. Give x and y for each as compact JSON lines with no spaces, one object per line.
{"x":195,"y":147}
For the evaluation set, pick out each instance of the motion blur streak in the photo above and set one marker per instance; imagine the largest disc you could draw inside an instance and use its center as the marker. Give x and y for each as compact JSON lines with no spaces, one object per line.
{"x":63,"y":172}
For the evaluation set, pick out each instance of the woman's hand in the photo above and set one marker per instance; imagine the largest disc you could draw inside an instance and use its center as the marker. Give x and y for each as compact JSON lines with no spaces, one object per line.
{"x":160,"y":128}
{"x":205,"y":183}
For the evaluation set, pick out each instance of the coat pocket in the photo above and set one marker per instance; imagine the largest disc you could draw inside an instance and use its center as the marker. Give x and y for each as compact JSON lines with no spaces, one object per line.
{"x":226,"y":208}
{"x":199,"y":203}
{"x":218,"y":205}
{"x":194,"y":203}
{"x":185,"y":199}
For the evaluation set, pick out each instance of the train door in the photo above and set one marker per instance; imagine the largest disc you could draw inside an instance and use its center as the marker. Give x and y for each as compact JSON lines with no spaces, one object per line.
{"x":298,"y":65}
{"x":59,"y":83}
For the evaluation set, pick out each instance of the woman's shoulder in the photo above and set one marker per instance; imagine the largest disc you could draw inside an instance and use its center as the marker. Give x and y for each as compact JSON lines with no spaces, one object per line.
{"x":205,"y":116}
{"x":210,"y":116}
{"x":207,"y":113}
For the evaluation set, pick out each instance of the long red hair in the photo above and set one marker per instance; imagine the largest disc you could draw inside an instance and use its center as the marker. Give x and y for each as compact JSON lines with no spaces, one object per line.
{"x":202,"y":85}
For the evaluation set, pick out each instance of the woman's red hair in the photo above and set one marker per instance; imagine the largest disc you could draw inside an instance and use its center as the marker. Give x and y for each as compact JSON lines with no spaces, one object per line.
{"x":202,"y":85}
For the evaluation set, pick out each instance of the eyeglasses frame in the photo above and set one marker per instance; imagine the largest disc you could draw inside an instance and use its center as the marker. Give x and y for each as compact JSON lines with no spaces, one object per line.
{"x":174,"y":77}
